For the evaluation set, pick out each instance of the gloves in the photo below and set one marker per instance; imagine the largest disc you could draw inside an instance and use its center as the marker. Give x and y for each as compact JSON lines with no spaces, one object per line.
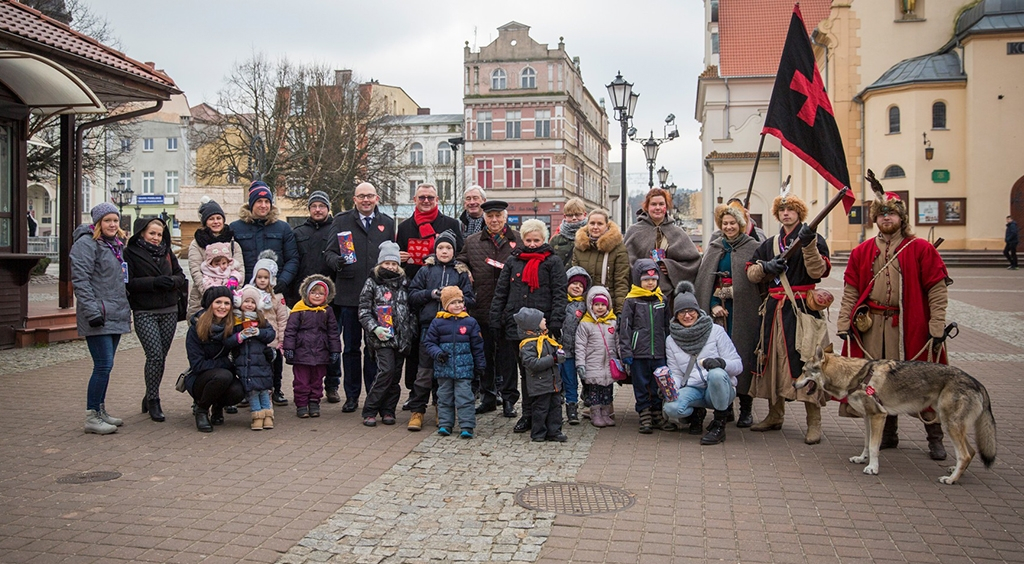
{"x":442,"y":357}
{"x":556,"y":334}
{"x":163,"y":282}
{"x":241,"y":336}
{"x":581,"y":372}
{"x":937,"y":344}
{"x":628,"y":361}
{"x":97,"y":321}
{"x":382,"y":333}
{"x":774,"y":267}
{"x":335,"y":357}
{"x":270,"y":354}
{"x":844,"y":335}
{"x":435,"y":294}
{"x":289,"y":355}
{"x":713,"y":363}
{"x":348,"y":259}
{"x":806,"y":235}
{"x":560,"y":356}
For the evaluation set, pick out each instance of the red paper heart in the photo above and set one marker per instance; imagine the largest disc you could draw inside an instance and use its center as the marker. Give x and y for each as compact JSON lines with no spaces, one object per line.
{"x":462,"y":330}
{"x":387,"y":296}
{"x":512,"y":244}
{"x":380,"y":228}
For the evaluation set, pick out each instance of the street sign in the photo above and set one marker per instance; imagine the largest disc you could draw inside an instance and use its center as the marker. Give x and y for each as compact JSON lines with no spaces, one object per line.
{"x":149,"y":199}
{"x":940,"y":176}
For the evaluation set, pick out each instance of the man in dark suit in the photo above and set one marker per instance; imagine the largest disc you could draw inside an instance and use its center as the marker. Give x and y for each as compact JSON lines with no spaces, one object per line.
{"x":369,"y":227}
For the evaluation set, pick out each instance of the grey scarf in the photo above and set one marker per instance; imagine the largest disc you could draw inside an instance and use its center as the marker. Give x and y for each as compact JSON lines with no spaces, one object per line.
{"x":568,"y":229}
{"x":693,"y":338}
{"x":474,"y":225}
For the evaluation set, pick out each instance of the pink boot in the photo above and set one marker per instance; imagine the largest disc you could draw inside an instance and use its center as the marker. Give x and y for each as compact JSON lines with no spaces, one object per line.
{"x":606,"y":412}
{"x":597,"y":415}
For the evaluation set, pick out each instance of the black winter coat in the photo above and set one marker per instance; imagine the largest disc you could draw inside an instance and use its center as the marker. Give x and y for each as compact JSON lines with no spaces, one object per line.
{"x":435,"y":276}
{"x":312,"y":239}
{"x":386,"y":288}
{"x":475,"y":254}
{"x":409,"y":230}
{"x":251,"y":365}
{"x":143,"y":271}
{"x":349,"y":278}
{"x":511,"y":294}
{"x":205,"y":355}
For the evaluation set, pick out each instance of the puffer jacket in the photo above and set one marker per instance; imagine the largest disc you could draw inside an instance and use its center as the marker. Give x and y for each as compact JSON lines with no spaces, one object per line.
{"x":143,"y":270}
{"x":312,"y":240}
{"x":312,"y":331}
{"x":99,"y":285}
{"x":256,"y":235}
{"x":512,"y":294}
{"x":386,"y":288}
{"x":205,"y":355}
{"x":485,"y":261}
{"x":595,"y":344}
{"x":574,"y":313}
{"x":251,"y":365}
{"x":591,"y":257}
{"x":350,"y":278}
{"x":197,"y":256}
{"x":542,"y":375}
{"x":435,"y":276}
{"x":461,"y":338}
{"x":718,"y":346}
{"x":643,"y":324}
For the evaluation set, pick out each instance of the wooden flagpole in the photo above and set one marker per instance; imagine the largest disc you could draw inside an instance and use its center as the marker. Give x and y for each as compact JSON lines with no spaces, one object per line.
{"x":753,"y":173}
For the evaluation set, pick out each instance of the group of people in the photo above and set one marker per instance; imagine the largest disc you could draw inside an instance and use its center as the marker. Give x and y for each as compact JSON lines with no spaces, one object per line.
{"x":474,"y":316}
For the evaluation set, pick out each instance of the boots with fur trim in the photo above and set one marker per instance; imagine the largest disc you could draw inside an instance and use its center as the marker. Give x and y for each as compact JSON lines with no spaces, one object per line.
{"x":773,"y":421}
{"x":813,"y":423}
{"x":257,"y":420}
{"x":268,"y":418}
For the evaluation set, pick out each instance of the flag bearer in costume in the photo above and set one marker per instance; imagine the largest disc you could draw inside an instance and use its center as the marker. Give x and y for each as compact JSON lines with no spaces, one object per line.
{"x":780,"y":363}
{"x":894,"y":302}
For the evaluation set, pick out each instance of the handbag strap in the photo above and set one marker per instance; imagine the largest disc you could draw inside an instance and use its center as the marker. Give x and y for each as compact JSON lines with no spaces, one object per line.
{"x":604,"y":271}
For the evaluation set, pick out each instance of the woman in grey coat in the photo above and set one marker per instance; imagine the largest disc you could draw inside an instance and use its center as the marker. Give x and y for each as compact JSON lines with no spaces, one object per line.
{"x":99,"y":273}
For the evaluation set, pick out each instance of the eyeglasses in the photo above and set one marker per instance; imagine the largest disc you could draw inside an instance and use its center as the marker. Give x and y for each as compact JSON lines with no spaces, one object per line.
{"x":575,"y":215}
{"x":426,"y":198}
{"x":365,"y":196}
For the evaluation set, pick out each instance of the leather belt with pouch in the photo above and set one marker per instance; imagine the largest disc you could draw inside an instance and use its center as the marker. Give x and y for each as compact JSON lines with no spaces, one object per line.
{"x":862,"y":318}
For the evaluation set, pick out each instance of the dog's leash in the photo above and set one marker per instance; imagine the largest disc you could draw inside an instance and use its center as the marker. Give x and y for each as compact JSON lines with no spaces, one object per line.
{"x":952,"y":330}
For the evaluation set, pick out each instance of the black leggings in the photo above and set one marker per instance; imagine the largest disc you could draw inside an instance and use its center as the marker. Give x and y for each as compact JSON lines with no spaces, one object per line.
{"x":217,"y":387}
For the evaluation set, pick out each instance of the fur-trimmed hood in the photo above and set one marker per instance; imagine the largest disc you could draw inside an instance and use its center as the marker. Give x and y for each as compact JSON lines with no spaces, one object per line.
{"x":459,"y":266}
{"x":245,"y":214}
{"x":304,"y":287}
{"x":605,"y":243}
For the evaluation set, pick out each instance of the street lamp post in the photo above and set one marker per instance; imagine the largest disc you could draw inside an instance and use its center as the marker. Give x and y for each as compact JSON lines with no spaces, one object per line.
{"x":455,"y":142}
{"x":662,"y":176}
{"x":121,"y":196}
{"x":651,"y":145}
{"x":623,"y":103}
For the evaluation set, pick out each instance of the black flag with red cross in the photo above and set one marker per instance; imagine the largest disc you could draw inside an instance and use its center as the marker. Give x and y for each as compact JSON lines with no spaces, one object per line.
{"x":800,"y":113}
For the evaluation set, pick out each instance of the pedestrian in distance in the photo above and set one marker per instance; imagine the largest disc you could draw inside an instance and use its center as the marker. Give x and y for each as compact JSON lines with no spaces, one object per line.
{"x":456,"y":346}
{"x":1012,"y":239}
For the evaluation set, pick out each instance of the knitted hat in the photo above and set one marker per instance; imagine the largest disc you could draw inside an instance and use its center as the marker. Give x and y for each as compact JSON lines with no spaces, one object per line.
{"x":212,"y":293}
{"x":534,"y":226}
{"x":103,"y":209}
{"x":388,"y":251}
{"x":599,"y":299}
{"x":248,"y":292}
{"x":216,"y":250}
{"x":446,"y":236}
{"x":319,"y":196}
{"x":448,"y":294}
{"x":579,"y":274}
{"x":267,"y":261}
{"x":209,"y":208}
{"x":528,"y":320}
{"x":258,"y":189}
{"x":646,"y":269}
{"x":315,"y":283}
{"x":684,"y":298}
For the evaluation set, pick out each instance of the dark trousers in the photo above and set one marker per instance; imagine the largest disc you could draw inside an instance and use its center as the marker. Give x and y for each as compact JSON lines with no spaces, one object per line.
{"x":412,"y":363}
{"x":278,"y":365}
{"x":490,"y":381}
{"x":1010,"y":252}
{"x":383,"y":395}
{"x":333,"y":379}
{"x":546,"y":415}
{"x":358,"y":372}
{"x":506,"y":363}
{"x":424,"y":382}
{"x":217,"y":387}
{"x":308,"y":385}
{"x":645,"y":389}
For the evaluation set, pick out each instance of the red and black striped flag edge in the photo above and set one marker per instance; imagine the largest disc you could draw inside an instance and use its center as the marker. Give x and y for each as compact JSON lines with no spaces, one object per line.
{"x":800,"y":113}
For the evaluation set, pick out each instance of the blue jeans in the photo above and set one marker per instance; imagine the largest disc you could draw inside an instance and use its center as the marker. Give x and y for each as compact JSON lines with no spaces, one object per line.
{"x":259,"y":400}
{"x":455,"y":395}
{"x":356,"y":377}
{"x":718,"y":395}
{"x":102,"y":349}
{"x":645,"y":389}
{"x":569,"y":381}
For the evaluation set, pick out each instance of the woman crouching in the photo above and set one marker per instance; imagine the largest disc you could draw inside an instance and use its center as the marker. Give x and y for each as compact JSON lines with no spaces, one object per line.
{"x":211,"y":380}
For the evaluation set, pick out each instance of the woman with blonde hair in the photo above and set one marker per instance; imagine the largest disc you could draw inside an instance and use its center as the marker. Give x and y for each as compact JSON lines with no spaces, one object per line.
{"x":598,"y":248}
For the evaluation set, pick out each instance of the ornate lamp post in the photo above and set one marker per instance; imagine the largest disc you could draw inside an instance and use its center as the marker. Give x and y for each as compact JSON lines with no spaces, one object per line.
{"x":121,"y":196}
{"x":455,"y":142}
{"x":662,"y":176}
{"x":623,"y":103}
{"x":651,"y":145}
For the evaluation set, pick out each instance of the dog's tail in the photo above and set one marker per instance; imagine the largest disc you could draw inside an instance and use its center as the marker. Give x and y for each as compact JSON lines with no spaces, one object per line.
{"x":985,"y":431}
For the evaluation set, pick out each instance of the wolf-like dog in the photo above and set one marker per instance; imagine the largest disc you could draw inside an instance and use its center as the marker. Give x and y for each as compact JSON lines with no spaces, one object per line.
{"x":880,"y":387}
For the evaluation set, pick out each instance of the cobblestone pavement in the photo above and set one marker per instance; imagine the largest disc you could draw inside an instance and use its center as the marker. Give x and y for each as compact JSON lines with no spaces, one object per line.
{"x":333,"y":490}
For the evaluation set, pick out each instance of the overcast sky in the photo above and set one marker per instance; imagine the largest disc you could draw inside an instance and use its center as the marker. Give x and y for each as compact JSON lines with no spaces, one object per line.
{"x":657,"y":44}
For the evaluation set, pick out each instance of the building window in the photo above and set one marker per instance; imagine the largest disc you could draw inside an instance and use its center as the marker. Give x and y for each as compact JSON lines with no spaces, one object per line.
{"x":148,"y":182}
{"x":894,"y":171}
{"x":542,"y":173}
{"x":513,"y":124}
{"x":498,"y":80}
{"x":444,"y":153}
{"x":444,"y":190}
{"x":485,"y":173}
{"x":232,"y":174}
{"x":86,"y":194}
{"x":147,"y":144}
{"x":483,"y":126}
{"x":714,"y":43}
{"x":542,"y":123}
{"x":126,"y":144}
{"x":126,"y":179}
{"x":528,"y":79}
{"x":513,"y":173}
{"x":714,"y":10}
{"x":172,"y":143}
{"x":171,"y":186}
{"x":416,"y":154}
{"x":894,"y":119}
{"x":413,"y":184}
{"x":7,"y":186}
{"x":939,"y":115}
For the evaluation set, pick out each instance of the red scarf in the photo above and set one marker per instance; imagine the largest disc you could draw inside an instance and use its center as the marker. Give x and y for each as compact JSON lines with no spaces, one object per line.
{"x":424,"y":220}
{"x":532,"y":268}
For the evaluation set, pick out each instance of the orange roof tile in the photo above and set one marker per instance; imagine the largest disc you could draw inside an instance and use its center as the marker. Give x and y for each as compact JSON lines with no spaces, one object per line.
{"x":29,"y":24}
{"x":710,"y":72}
{"x":751,"y":33}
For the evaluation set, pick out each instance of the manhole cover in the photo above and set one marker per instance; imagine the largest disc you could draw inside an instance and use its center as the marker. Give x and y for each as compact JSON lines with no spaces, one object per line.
{"x":87,"y":477}
{"x":571,"y":498}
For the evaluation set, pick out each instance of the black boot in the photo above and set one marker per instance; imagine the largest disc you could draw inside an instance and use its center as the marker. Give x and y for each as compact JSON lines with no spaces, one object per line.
{"x":524,"y":424}
{"x":217,"y":415}
{"x":508,"y":409}
{"x":935,"y":449}
{"x":746,"y":418}
{"x":890,"y":434}
{"x":202,"y":419}
{"x":646,"y":422}
{"x":716,"y":431}
{"x":696,"y":420}
{"x":572,"y":414}
{"x":155,"y":413}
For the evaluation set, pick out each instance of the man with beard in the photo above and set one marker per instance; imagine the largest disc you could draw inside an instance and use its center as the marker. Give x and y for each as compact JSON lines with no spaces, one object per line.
{"x":896,"y":289}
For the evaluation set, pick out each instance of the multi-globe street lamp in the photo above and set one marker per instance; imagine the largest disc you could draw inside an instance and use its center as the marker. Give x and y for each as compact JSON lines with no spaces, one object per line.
{"x":651,"y":145}
{"x":122,"y":196}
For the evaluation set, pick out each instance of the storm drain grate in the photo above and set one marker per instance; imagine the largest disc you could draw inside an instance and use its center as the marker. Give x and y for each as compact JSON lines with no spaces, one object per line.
{"x":573,"y":498}
{"x":88,"y":477}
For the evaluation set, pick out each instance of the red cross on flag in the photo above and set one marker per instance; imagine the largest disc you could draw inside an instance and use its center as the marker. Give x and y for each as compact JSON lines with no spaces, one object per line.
{"x":800,"y":113}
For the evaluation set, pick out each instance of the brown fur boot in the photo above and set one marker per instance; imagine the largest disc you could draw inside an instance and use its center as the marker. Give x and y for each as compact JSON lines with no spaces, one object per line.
{"x":268,"y":418}
{"x":813,"y":423}
{"x":257,"y":421}
{"x":773,"y":421}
